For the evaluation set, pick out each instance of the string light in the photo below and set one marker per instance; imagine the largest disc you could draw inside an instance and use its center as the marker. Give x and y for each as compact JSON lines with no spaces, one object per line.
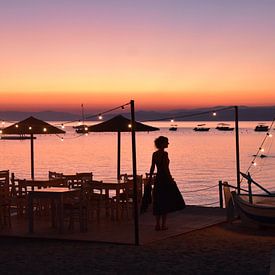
{"x":30,"y":127}
{"x":100,"y":117}
{"x":3,"y":122}
{"x":62,"y":126}
{"x":86,"y":134}
{"x":254,"y":163}
{"x":16,"y":126}
{"x":172,"y":120}
{"x":62,"y":139}
{"x":86,"y":128}
{"x":268,"y":134}
{"x":1,"y":131}
{"x":44,"y":129}
{"x":261,"y":149}
{"x":214,"y":113}
{"x":129,"y":125}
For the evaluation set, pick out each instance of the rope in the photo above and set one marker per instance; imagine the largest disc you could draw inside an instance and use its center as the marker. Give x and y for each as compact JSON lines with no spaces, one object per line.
{"x":198,"y":190}
{"x":212,"y":203}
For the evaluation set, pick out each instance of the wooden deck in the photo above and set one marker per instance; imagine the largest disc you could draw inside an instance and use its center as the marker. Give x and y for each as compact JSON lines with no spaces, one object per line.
{"x":189,"y":219}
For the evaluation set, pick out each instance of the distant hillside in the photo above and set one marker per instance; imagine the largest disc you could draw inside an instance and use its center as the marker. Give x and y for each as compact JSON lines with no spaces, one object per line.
{"x":245,"y":114}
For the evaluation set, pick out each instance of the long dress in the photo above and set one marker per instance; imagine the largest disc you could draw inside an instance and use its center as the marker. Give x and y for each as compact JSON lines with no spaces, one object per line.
{"x":166,"y":195}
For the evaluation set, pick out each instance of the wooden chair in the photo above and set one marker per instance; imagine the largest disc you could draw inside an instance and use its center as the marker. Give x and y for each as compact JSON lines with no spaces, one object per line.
{"x":126,"y":198}
{"x":98,"y":200}
{"x":5,"y":199}
{"x":76,"y":210}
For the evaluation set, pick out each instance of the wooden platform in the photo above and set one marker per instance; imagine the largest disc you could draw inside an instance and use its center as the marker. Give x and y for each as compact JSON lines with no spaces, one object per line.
{"x":189,"y":219}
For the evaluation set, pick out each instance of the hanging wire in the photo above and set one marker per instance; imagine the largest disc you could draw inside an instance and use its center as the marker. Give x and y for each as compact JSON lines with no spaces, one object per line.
{"x":213,"y":111}
{"x":203,"y":189}
{"x":260,"y":148}
{"x":98,"y":114}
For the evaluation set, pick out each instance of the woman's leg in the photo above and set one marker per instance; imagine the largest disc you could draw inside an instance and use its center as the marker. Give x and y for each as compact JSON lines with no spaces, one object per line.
{"x":163,"y":222}
{"x":157,"y":227}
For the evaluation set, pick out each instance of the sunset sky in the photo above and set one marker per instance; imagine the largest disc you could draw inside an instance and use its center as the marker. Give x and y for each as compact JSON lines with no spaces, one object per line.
{"x":164,"y":54}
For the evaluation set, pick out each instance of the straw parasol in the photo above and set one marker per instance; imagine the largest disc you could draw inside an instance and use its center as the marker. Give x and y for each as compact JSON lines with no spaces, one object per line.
{"x":120,"y":124}
{"x":32,"y":126}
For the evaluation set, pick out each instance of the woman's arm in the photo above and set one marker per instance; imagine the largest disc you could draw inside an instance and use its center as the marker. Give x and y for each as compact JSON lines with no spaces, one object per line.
{"x":153,"y":164}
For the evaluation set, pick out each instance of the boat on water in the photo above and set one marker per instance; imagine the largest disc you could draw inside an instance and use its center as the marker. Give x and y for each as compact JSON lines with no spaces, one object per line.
{"x":201,"y":128}
{"x":261,"y":128}
{"x":224,"y":127}
{"x":81,"y":129}
{"x":174,"y":127}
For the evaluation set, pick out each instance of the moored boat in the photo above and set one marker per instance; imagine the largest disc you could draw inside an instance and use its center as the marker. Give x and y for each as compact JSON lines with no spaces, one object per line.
{"x":201,"y":128}
{"x":81,"y":129}
{"x":224,"y":127}
{"x":261,"y":128}
{"x":173,"y":127}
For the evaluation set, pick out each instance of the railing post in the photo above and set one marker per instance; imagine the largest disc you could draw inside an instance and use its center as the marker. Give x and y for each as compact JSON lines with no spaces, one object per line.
{"x":134,"y":172}
{"x":249,"y":181}
{"x":220,"y":194}
{"x":237,"y":149}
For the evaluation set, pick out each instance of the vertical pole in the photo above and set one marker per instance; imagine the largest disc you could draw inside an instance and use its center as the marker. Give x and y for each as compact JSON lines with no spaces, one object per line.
{"x":32,"y":158}
{"x":220,"y":194}
{"x":249,"y":182}
{"x":134,"y":172}
{"x":118,"y":154}
{"x":237,"y":149}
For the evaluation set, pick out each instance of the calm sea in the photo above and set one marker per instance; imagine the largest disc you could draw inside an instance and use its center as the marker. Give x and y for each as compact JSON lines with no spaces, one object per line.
{"x":198,"y":160}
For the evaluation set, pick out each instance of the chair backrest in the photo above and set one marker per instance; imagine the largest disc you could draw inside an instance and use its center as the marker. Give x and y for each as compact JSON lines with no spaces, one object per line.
{"x":4,"y":185}
{"x":55,"y":175}
{"x":129,"y":187}
{"x":85,"y":176}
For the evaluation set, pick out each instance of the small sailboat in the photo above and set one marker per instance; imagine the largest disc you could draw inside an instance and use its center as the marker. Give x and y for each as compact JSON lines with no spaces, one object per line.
{"x":82,"y":128}
{"x":201,"y":128}
{"x":261,"y":127}
{"x":224,"y":127}
{"x":174,"y":127}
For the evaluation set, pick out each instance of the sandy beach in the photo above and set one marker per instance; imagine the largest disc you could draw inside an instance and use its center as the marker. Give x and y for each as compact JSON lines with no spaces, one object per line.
{"x":220,"y":249}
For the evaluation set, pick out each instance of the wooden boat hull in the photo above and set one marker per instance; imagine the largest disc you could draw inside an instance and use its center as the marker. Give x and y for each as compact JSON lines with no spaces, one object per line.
{"x":197,"y":129}
{"x":261,"y":214}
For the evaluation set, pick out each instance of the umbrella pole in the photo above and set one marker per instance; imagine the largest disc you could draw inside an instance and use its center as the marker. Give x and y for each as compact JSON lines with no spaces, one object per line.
{"x":32,"y":158}
{"x":118,"y":154}
{"x":134,"y":172}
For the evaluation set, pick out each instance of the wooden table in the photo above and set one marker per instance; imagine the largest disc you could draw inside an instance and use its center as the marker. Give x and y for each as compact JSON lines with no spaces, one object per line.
{"x":54,"y":194}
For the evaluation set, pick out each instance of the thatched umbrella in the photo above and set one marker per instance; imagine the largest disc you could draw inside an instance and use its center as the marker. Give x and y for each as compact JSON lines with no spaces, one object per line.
{"x":120,"y":124}
{"x":32,"y":126}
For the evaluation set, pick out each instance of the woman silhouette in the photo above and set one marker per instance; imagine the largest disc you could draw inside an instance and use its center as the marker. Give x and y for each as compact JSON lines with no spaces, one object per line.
{"x":166,"y":196}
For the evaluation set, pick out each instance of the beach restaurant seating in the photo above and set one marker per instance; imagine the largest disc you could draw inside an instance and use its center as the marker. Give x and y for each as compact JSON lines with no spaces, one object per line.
{"x":73,"y":180}
{"x":5,"y":199}
{"x":124,"y":200}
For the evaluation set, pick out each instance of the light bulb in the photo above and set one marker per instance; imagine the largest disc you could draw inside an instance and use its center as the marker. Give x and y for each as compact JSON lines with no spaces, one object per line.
{"x":100,"y":117}
{"x":45,"y":130}
{"x":172,"y":120}
{"x":30,"y":127}
{"x":129,"y":126}
{"x":214,"y":113}
{"x":62,"y":126}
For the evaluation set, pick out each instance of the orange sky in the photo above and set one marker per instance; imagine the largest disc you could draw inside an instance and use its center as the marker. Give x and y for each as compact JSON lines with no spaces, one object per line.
{"x":177,"y":56}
